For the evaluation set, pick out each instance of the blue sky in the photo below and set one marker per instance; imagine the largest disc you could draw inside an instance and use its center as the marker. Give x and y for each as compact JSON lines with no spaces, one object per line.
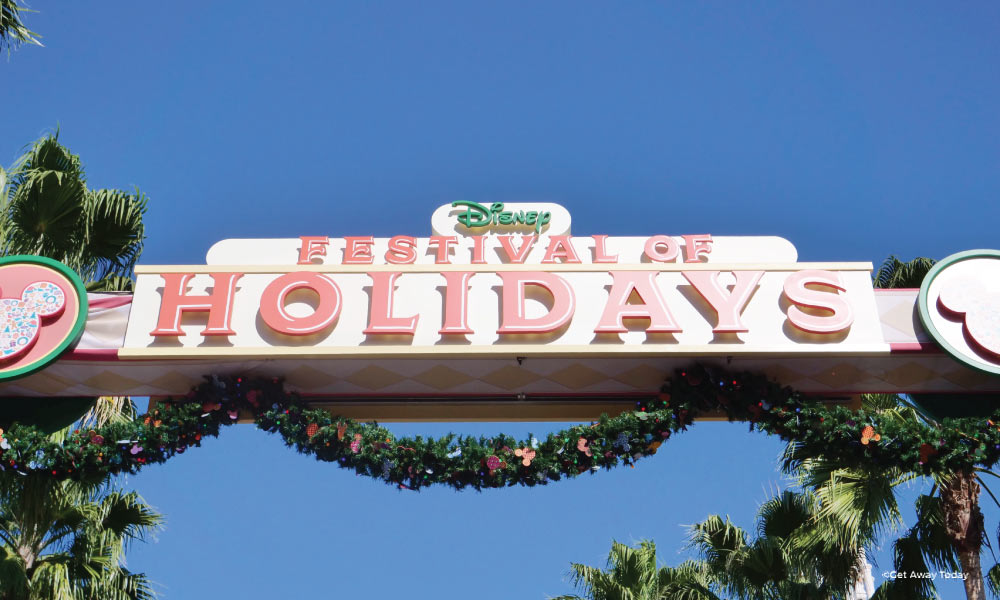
{"x":856,"y":131}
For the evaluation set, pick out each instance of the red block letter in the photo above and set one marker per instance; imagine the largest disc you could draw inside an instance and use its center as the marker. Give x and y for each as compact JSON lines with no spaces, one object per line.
{"x":798,"y":294}
{"x":312,"y":245}
{"x":218,"y":304}
{"x":654,"y":252}
{"x":728,"y":305}
{"x":380,"y":319}
{"x":695,"y":246}
{"x":600,"y":252}
{"x":402,"y":250}
{"x":456,"y":303}
{"x":653,"y":306}
{"x":527,"y":241}
{"x":560,"y":246}
{"x":358,"y":250}
{"x":444,"y":244}
{"x":272,"y":303}
{"x":514,"y":319}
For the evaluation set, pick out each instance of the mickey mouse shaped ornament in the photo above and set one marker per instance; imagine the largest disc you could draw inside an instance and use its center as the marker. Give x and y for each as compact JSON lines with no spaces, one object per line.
{"x":959,"y":307}
{"x":21,"y":320}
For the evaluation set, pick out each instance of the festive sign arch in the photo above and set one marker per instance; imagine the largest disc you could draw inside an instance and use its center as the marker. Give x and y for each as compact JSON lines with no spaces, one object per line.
{"x":503,"y":314}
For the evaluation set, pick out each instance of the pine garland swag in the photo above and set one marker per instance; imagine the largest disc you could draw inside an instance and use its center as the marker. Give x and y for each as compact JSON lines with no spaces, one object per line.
{"x":859,"y":439}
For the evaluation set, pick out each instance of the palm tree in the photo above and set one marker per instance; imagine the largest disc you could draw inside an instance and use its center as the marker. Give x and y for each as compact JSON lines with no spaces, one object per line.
{"x":46,"y":209}
{"x":66,"y":540}
{"x":793,"y":556}
{"x":633,"y":574}
{"x":12,"y":30}
{"x":949,"y":529}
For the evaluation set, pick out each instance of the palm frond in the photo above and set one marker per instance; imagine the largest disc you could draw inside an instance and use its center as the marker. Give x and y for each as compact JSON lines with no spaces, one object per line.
{"x":690,"y":580}
{"x":993,"y":579}
{"x":782,"y":515}
{"x":718,"y":540}
{"x":13,"y":32}
{"x":75,"y":534}
{"x":861,"y":505}
{"x":47,"y":210}
{"x":109,"y":410}
{"x":114,"y":231}
{"x":893,"y":273}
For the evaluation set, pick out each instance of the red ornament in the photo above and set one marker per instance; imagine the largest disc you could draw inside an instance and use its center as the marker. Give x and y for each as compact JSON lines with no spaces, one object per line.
{"x":926,"y":452}
{"x":312,"y":429}
{"x":493,"y":463}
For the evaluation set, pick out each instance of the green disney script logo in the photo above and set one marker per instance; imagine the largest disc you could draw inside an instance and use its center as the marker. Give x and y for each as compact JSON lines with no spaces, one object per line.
{"x":477,"y":215}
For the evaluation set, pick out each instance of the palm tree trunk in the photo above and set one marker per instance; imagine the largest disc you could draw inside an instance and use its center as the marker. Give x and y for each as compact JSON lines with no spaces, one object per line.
{"x":964,"y":523}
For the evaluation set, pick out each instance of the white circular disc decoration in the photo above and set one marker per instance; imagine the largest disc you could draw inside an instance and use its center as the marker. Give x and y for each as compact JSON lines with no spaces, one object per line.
{"x":959,"y":306}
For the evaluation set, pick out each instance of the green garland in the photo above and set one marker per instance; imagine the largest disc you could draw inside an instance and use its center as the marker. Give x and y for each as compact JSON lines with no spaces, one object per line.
{"x":853,"y":438}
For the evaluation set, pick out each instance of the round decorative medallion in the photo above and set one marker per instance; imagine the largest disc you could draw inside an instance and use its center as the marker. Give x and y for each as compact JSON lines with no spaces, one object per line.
{"x":43,"y":309}
{"x":959,"y":306}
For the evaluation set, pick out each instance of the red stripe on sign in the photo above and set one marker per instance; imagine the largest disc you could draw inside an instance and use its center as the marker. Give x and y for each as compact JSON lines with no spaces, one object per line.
{"x":914,"y":347}
{"x":92,"y":354}
{"x":109,"y":301}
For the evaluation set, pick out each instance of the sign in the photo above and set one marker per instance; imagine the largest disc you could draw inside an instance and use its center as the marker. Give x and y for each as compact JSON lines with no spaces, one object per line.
{"x":504,"y":313}
{"x":43,"y":310}
{"x":959,"y":306}
{"x":503,"y":293}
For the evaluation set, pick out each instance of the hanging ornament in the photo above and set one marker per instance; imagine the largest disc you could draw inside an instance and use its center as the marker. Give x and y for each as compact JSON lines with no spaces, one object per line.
{"x":356,"y":444}
{"x":454,"y":453}
{"x":526,"y":454}
{"x":311,"y":429}
{"x":341,"y":430}
{"x":621,"y":442}
{"x":926,"y":452}
{"x":583,"y":445}
{"x":868,"y":434}
{"x":493,"y":463}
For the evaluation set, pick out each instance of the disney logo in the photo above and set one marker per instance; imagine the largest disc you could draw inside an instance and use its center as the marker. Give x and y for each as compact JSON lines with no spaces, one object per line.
{"x":478,"y":215}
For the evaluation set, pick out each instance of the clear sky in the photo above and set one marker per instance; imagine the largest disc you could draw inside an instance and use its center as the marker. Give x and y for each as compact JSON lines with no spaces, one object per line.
{"x":855,"y":130}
